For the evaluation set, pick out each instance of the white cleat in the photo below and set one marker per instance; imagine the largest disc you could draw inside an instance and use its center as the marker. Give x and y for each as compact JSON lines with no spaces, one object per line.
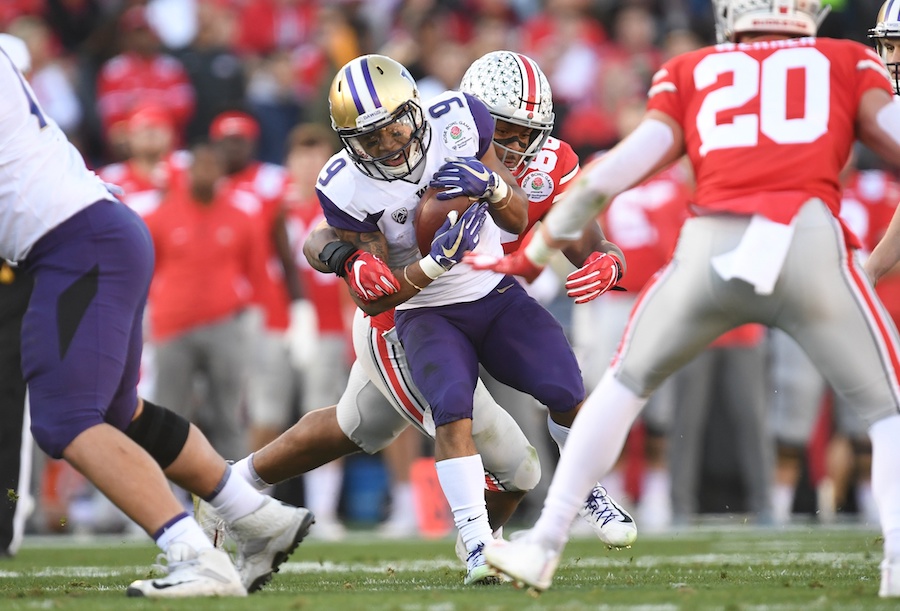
{"x":266,"y":538}
{"x":611,"y":523}
{"x":462,"y":553}
{"x":477,"y":570}
{"x":525,"y":561}
{"x":210,"y":523}
{"x":890,"y":579}
{"x":192,"y":573}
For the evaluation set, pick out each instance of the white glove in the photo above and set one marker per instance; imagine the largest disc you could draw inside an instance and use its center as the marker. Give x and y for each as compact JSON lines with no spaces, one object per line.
{"x":303,"y":333}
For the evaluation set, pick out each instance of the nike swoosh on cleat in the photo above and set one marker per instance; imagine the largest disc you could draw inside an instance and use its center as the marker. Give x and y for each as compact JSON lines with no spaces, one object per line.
{"x":164,"y":586}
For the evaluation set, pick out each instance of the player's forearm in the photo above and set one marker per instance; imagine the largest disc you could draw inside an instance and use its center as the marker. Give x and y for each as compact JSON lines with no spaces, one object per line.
{"x":592,"y":240}
{"x":887,"y":253}
{"x":510,"y":213}
{"x":315,"y":243}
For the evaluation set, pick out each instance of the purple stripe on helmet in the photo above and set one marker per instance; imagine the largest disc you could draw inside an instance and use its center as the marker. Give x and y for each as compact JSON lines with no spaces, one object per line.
{"x":356,"y":100}
{"x":368,"y":77}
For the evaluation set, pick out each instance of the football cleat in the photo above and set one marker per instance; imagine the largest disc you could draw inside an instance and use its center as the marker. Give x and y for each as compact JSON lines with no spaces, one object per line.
{"x":890,"y":579}
{"x":478,"y":572}
{"x":462,"y":553}
{"x":611,"y":523}
{"x":525,"y":561}
{"x":191,"y":573}
{"x":210,"y":523}
{"x":266,"y":538}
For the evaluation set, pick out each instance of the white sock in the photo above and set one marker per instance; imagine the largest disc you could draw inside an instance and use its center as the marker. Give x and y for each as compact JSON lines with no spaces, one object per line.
{"x":462,"y":480}
{"x":322,"y":489}
{"x":591,"y":450}
{"x":244,"y":469}
{"x":182,"y":529}
{"x":885,"y":483}
{"x":234,"y":498}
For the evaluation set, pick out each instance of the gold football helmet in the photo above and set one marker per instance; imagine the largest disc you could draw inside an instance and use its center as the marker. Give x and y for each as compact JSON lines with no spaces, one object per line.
{"x":377,"y":112}
{"x":887,"y":27}
{"x":792,"y":17}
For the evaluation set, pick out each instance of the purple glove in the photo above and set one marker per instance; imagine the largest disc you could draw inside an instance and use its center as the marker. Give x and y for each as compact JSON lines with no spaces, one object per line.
{"x":456,"y":236}
{"x":466,"y":176}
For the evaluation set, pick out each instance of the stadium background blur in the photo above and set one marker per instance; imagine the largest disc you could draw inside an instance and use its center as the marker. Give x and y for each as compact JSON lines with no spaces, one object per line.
{"x":274,"y":59}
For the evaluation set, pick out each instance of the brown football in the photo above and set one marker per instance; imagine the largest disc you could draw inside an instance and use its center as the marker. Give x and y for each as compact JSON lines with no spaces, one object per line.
{"x":431,"y":213}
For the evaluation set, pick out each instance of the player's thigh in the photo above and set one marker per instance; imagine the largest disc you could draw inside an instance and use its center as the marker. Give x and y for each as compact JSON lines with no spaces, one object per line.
{"x":81,"y":331}
{"x":679,"y":312}
{"x":526,"y":348}
{"x":442,"y":360}
{"x":381,"y":357}
{"x":838,"y":320}
{"x":366,"y":416}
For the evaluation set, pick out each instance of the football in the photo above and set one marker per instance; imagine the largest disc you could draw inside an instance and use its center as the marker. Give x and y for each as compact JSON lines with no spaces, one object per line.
{"x":431,"y":213}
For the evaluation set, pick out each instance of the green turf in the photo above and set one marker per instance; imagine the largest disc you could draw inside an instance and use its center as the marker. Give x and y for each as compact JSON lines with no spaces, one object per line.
{"x":743,"y":568}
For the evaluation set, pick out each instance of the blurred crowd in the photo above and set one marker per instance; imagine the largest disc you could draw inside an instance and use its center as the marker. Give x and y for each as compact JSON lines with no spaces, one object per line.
{"x":212,"y":118}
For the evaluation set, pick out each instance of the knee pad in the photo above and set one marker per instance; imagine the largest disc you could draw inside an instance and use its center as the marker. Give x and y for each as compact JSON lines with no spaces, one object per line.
{"x":511,"y":463}
{"x":161,"y":432}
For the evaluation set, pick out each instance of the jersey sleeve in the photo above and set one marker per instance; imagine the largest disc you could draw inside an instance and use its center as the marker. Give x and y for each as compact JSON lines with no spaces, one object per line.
{"x":871,"y":72}
{"x":567,"y":167}
{"x":666,"y":91}
{"x":343,"y":219}
{"x":484,"y":123}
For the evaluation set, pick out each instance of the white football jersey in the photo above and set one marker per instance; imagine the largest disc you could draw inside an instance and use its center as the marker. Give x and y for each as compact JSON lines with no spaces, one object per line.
{"x":43,"y":178}
{"x":461,"y":126}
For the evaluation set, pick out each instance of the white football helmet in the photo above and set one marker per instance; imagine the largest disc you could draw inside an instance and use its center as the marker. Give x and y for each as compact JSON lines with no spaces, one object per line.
{"x":515,"y":90}
{"x":791,"y":17}
{"x":887,"y":26}
{"x":368,"y":95}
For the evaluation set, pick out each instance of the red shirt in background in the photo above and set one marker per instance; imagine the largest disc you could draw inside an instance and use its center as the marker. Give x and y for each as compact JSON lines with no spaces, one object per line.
{"x":325,"y":291}
{"x":265,"y":184}
{"x":204,"y":262}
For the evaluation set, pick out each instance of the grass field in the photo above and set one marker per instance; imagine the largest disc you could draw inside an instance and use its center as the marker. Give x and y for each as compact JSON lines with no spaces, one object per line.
{"x":809,"y":567}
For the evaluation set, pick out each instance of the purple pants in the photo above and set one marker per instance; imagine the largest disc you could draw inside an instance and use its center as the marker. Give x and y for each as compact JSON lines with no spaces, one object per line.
{"x":81,"y":335}
{"x":509,"y":333}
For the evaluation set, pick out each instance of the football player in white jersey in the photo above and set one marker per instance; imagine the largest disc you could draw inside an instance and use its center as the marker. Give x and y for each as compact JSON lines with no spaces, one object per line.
{"x":765,"y":246}
{"x":91,"y":258}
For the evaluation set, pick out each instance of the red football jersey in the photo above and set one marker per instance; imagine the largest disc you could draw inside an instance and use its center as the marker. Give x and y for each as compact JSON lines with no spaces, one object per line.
{"x":794,"y":101}
{"x":325,"y":291}
{"x":644,"y":222}
{"x":267,"y":183}
{"x":544,"y":181}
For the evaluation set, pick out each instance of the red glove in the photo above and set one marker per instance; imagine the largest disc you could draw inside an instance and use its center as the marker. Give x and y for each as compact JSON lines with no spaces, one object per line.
{"x":515,"y":264}
{"x":369,"y":277}
{"x":600,"y":272}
